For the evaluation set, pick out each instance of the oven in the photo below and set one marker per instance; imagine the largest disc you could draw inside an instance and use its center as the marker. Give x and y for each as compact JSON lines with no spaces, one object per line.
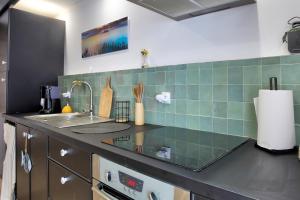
{"x":112,"y":181}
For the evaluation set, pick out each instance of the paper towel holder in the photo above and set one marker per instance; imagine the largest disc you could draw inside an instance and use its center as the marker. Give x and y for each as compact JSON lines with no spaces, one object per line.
{"x":273,"y":83}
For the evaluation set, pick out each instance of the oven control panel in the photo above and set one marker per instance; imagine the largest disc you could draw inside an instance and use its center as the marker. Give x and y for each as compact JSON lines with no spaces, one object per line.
{"x":133,"y":184}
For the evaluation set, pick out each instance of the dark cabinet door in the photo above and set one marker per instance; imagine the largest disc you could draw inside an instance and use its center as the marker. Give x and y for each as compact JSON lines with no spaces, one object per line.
{"x":3,"y":41}
{"x":39,"y":173}
{"x":65,"y":185}
{"x":2,"y":92}
{"x":23,"y":179}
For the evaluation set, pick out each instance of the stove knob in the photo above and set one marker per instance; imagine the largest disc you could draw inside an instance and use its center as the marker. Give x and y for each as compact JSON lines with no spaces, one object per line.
{"x":152,"y":196}
{"x":108,"y":176}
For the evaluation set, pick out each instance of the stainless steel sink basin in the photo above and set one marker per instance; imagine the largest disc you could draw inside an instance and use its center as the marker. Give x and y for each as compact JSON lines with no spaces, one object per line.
{"x":64,"y":120}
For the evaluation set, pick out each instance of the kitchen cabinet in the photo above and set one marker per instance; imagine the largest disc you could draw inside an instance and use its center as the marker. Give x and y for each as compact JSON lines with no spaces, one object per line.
{"x":63,"y":184}
{"x":71,"y":157}
{"x":33,"y":185}
{"x":3,"y":59}
{"x":23,"y":179}
{"x":39,"y":173}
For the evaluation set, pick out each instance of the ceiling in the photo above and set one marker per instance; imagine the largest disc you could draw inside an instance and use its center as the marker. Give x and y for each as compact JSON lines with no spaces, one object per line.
{"x":49,"y":8}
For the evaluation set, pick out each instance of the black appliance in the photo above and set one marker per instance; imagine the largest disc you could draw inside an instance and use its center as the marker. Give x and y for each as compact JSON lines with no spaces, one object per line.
{"x":292,"y":37}
{"x":50,"y":99}
{"x":190,"y":149}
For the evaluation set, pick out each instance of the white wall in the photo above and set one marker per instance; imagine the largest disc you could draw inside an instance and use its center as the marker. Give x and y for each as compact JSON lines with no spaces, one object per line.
{"x":244,"y":32}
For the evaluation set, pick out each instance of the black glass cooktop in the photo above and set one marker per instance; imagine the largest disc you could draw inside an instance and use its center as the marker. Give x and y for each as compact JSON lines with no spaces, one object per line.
{"x":194,"y":150}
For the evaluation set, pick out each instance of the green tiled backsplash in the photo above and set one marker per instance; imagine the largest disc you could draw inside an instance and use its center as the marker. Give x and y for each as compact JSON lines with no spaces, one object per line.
{"x":213,"y":96}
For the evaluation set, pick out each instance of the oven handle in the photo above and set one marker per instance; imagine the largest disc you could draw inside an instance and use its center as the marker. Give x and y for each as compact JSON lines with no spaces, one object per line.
{"x":109,"y":193}
{"x":101,"y":194}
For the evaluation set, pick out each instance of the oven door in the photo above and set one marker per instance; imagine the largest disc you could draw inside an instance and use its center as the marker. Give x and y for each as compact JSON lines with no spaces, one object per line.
{"x":102,"y":191}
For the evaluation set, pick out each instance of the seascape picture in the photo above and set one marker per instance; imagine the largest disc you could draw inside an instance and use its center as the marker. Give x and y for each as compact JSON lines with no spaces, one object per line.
{"x":105,"y":39}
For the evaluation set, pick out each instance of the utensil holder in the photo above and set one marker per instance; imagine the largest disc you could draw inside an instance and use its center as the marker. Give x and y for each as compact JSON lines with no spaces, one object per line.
{"x":139,"y":114}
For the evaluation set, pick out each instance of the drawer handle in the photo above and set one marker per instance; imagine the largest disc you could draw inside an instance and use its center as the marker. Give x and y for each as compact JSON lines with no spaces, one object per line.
{"x":3,"y":80}
{"x":64,"y":180}
{"x":3,"y":62}
{"x":63,"y":152}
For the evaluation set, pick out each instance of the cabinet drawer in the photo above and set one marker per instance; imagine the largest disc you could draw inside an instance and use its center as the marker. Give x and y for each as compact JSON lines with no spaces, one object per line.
{"x":64,"y":185}
{"x":72,"y":157}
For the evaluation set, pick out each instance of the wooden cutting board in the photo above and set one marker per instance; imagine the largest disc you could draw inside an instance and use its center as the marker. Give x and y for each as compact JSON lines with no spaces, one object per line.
{"x":105,"y":102}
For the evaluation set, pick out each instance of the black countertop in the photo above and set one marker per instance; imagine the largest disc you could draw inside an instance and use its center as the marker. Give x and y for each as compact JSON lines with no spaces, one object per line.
{"x":246,"y":173}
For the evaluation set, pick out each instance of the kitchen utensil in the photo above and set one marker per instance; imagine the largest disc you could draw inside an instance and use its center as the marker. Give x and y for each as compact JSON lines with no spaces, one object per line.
{"x":122,"y":111}
{"x":27,"y":164}
{"x":138,"y":92}
{"x":106,"y":100}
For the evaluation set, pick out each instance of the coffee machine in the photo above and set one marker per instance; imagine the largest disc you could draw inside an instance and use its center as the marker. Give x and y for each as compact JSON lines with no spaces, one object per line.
{"x":50,"y":99}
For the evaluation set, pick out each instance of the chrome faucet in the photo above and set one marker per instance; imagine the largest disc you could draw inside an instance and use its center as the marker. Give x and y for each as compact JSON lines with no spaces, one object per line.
{"x":80,"y":83}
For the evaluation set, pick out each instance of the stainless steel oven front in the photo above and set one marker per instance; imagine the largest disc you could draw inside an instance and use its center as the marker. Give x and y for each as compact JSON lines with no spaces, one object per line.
{"x":112,"y":181}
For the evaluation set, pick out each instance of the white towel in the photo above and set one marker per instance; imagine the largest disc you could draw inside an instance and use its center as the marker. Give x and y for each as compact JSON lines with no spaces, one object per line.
{"x":9,"y":164}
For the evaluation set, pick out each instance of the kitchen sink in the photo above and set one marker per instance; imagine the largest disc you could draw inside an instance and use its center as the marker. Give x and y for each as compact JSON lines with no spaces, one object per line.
{"x":64,"y":120}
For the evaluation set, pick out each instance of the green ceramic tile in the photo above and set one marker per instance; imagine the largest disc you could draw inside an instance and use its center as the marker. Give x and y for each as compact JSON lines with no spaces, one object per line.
{"x":149,"y":91}
{"x":180,"y":77}
{"x":170,"y":77}
{"x":171,"y":108}
{"x":220,"y":74}
{"x":170,"y":119}
{"x":193,"y":107}
{"x":180,"y":121}
{"x":205,"y":123}
{"x":297,"y":114}
{"x":160,"y":78}
{"x":250,"y":92}
{"x":193,"y":92}
{"x":252,"y":75}
{"x":150,"y":104}
{"x":245,"y":62}
{"x":193,"y":66}
{"x":150,"y":117}
{"x":181,"y":106}
{"x":296,"y":92}
{"x":193,"y":77}
{"x":269,"y":71}
{"x":235,"y":127}
{"x":160,"y":118}
{"x":220,"y":125}
{"x":220,"y":93}
{"x":249,"y":112}
{"x":180,"y":67}
{"x":270,"y":60}
{"x":235,"y":75}
{"x":206,"y":75}
{"x":151,"y":79}
{"x":290,"y":74}
{"x":193,"y":122}
{"x":235,"y":93}
{"x":180,"y":91}
{"x":219,"y":109}
{"x":205,"y":108}
{"x":250,"y":129}
{"x":235,"y":110}
{"x":205,"y":92}
{"x":142,"y":77}
{"x":290,"y":59}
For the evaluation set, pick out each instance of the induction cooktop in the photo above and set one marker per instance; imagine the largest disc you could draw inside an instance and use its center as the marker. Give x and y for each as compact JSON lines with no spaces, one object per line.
{"x":190,"y":149}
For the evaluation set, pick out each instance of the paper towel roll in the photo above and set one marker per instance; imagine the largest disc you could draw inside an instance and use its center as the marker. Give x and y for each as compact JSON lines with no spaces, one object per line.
{"x":275,"y":118}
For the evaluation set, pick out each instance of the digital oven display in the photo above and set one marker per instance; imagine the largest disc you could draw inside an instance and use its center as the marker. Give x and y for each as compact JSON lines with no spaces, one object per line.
{"x":131,"y":182}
